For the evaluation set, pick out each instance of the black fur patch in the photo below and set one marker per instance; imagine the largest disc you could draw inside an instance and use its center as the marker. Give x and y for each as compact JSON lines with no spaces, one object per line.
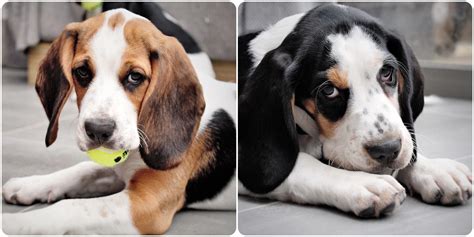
{"x":245,"y":59}
{"x":209,"y":183}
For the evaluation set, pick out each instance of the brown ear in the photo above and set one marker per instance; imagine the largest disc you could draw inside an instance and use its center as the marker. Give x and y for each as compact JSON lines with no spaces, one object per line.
{"x":54,"y":81}
{"x":172,"y":106}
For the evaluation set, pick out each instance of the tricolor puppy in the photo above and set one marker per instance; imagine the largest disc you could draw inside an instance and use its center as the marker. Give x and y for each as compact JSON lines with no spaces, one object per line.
{"x":327,"y":102}
{"x":137,"y":89}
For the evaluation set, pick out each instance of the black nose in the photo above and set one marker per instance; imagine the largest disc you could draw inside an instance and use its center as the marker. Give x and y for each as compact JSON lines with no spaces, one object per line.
{"x":384,"y":152}
{"x":99,"y":130}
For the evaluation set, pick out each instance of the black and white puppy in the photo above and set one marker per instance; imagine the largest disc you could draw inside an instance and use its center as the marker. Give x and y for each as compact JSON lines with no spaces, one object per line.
{"x":327,"y":102}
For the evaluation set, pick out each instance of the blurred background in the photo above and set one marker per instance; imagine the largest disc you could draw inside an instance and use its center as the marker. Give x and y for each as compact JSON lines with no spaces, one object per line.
{"x":439,"y":33}
{"x":441,"y":36}
{"x":28,"y":28}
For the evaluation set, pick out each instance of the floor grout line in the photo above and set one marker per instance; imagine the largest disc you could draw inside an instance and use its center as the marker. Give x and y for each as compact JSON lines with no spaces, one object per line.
{"x":39,"y":142}
{"x":260,"y":206}
{"x":29,"y":208}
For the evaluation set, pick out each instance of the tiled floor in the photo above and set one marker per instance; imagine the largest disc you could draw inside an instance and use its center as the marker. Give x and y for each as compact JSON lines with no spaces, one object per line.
{"x":443,"y":130}
{"x":24,"y":125}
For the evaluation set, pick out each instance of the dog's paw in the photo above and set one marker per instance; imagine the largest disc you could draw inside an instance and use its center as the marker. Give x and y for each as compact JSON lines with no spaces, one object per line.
{"x":438,"y":181}
{"x":27,"y":190}
{"x":370,"y":195}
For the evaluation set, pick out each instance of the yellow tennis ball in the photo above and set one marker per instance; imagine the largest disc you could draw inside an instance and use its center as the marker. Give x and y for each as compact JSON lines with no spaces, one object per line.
{"x":107,"y":157}
{"x":88,"y":6}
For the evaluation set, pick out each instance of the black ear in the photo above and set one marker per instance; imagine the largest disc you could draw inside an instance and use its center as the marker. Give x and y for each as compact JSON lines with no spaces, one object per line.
{"x":268,"y":144}
{"x":54,"y":82}
{"x":411,"y":96}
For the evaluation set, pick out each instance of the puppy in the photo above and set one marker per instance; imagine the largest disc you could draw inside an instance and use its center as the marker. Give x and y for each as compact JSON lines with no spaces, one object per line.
{"x":138,"y":90}
{"x":327,"y":103}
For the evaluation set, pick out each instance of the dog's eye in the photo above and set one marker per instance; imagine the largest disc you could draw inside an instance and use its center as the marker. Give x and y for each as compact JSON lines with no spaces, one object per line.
{"x":329,"y":91}
{"x":83,"y":75}
{"x":386,"y":75}
{"x":135,"y":78}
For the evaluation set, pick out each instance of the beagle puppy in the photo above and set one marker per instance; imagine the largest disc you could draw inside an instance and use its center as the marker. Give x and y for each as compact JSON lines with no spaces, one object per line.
{"x":138,"y":90}
{"x":327,"y":104}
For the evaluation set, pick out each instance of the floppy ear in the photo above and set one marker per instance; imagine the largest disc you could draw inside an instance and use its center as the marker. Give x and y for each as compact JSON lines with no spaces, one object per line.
{"x":172,"y":107}
{"x":268,"y":144}
{"x":54,"y":81}
{"x":411,"y":96}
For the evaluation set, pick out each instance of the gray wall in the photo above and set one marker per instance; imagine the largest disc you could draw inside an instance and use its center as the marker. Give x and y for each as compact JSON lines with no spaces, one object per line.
{"x":413,"y":20}
{"x":212,"y":24}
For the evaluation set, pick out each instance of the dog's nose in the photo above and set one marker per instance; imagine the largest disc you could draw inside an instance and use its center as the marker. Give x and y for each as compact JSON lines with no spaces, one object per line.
{"x":99,"y":130}
{"x":384,"y":152}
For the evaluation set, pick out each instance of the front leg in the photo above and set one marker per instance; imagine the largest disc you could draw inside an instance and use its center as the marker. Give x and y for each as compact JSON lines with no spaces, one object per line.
{"x":440,"y":181}
{"x":104,"y":215}
{"x":364,"y":194}
{"x":86,"y":179}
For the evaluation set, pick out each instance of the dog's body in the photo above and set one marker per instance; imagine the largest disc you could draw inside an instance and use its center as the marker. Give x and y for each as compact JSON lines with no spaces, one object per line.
{"x":327,"y":102}
{"x":137,"y":90}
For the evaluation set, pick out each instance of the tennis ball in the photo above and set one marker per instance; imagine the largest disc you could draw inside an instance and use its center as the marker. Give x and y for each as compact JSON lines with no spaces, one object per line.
{"x":89,"y":6}
{"x":107,"y":157}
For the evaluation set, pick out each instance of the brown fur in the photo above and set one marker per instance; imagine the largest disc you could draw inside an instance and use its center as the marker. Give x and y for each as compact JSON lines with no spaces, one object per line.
{"x":310,"y":106}
{"x":88,"y":29}
{"x":401,"y":82}
{"x":54,"y":86}
{"x":325,"y":125}
{"x":156,"y":196}
{"x":173,"y":102}
{"x":116,"y":20}
{"x":338,"y":78}
{"x":170,"y":107}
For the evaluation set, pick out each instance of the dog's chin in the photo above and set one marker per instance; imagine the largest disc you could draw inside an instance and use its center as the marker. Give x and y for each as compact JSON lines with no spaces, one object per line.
{"x":389,"y":168}
{"x":373,"y":167}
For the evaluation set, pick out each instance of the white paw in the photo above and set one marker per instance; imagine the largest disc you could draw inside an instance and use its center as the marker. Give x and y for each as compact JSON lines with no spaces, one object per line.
{"x":27,"y":190}
{"x":440,"y":181}
{"x":370,"y":195}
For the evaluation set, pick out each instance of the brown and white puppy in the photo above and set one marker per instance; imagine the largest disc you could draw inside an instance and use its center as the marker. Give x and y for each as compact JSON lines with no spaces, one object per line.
{"x":136,"y":90}
{"x":335,"y":86}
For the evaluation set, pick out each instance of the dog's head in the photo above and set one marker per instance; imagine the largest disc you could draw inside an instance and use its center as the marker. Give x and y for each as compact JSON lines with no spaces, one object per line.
{"x":358,"y":81}
{"x":135,"y":87}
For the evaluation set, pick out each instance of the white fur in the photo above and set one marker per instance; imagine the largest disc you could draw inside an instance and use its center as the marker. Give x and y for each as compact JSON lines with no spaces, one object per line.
{"x":104,"y":215}
{"x":368,"y":105}
{"x":272,"y":37}
{"x":312,"y":182}
{"x":86,"y":179}
{"x":106,"y":98}
{"x":432,"y":177}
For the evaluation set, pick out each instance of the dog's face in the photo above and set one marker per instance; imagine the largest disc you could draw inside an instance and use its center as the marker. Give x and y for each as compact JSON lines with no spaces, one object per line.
{"x":354,"y":99}
{"x":134,"y":86}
